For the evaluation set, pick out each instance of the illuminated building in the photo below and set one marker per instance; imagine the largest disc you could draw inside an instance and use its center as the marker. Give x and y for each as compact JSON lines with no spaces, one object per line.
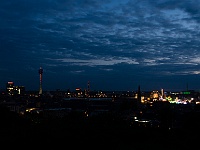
{"x":10,"y":88}
{"x":162,"y":93}
{"x":40,"y":73}
{"x":155,"y":95}
{"x":19,"y":90}
{"x":79,"y":92}
{"x":13,"y":90}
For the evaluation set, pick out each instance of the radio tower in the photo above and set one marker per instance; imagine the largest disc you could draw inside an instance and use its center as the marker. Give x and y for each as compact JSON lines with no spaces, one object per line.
{"x":40,"y":73}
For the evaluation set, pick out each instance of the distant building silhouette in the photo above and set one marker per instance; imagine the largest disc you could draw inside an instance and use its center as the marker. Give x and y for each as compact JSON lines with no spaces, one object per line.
{"x":88,"y":88}
{"x":139,"y":95}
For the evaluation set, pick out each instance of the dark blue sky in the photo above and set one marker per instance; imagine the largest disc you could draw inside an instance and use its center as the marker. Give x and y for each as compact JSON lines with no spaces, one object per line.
{"x":114,"y":44}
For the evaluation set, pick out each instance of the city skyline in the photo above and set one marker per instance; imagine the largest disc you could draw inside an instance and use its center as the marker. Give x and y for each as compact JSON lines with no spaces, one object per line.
{"x":115,"y":45}
{"x":85,"y":88}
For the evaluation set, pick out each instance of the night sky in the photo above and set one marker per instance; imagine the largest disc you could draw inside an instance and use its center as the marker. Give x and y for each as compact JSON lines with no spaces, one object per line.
{"x":113,"y":44}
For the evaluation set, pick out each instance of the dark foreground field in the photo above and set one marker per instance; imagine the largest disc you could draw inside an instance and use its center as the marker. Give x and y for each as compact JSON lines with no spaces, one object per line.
{"x":91,"y":134}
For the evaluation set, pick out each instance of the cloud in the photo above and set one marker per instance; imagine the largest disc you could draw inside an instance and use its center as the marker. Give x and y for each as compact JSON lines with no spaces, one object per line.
{"x":105,"y":35}
{"x":98,"y":62}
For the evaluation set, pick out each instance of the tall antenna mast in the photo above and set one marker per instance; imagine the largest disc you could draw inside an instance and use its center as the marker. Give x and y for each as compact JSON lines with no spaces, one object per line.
{"x":40,"y":71}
